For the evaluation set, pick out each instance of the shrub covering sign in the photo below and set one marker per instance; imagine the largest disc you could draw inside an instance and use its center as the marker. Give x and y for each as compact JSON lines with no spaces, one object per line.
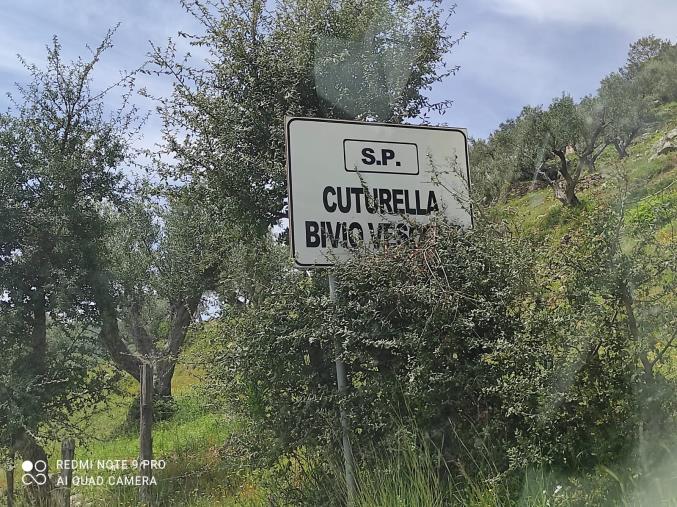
{"x":355,"y":184}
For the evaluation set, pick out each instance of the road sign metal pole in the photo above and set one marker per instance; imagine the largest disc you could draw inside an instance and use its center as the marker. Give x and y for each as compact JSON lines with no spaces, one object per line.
{"x":342,"y":382}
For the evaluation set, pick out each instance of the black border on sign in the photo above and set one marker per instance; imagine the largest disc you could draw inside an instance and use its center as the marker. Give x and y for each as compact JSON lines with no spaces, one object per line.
{"x":290,"y":119}
{"x":345,"y":162}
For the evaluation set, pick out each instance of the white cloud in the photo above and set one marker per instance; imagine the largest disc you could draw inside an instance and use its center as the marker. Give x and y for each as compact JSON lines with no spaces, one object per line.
{"x":635,"y":17}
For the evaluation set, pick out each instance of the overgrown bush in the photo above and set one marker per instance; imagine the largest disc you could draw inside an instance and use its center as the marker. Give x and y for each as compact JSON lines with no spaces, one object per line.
{"x":584,"y":377}
{"x":521,"y":356}
{"x":417,"y":324}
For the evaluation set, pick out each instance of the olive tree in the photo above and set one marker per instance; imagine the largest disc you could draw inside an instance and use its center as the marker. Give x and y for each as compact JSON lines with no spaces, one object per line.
{"x":628,"y":108}
{"x":224,"y":122}
{"x":493,"y":162}
{"x":658,"y":77}
{"x":641,"y":51}
{"x":163,"y":257}
{"x":547,"y":140}
{"x":60,"y":151}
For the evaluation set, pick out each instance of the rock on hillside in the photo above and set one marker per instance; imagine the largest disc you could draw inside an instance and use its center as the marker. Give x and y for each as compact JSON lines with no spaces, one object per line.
{"x":667,"y":144}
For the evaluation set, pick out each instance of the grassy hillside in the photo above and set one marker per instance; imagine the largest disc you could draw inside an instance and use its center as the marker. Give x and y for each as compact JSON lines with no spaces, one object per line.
{"x":649,"y":182}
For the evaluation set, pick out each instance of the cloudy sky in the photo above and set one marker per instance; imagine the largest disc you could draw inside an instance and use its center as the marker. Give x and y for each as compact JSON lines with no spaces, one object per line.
{"x":517,"y":52}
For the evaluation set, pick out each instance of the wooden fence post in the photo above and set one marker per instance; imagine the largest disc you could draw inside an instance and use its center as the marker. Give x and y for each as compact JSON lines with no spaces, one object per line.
{"x":146,"y":433}
{"x":9,"y":475}
{"x":67,"y":456}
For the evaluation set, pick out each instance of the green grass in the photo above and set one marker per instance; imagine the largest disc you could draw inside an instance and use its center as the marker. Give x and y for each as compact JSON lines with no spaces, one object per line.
{"x":410,"y":476}
{"x":190,"y":443}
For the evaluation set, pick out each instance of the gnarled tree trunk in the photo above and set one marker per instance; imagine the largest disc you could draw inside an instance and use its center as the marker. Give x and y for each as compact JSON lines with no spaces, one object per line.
{"x":9,"y":477}
{"x":565,"y":187}
{"x":182,"y":313}
{"x":565,"y":192}
{"x":39,"y":486}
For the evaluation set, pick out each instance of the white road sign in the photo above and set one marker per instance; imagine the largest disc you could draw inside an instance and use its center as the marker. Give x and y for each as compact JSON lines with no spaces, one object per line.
{"x":354,"y":184}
